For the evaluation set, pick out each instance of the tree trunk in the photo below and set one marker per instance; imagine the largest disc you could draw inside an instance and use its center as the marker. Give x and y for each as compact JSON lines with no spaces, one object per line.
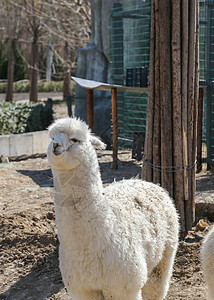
{"x":195,"y":108}
{"x":184,"y":89}
{"x":165,"y":95}
{"x":176,"y":99}
{"x":66,"y":82}
{"x":190,"y":114}
{"x":49,"y":62}
{"x":199,"y":131}
{"x":170,"y":144}
{"x":67,"y":73}
{"x":10,"y":72}
{"x":34,"y":73}
{"x":147,"y":171}
{"x":156,"y":99}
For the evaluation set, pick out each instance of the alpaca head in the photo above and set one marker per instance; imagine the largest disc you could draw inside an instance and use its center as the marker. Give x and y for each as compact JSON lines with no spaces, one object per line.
{"x":71,"y":143}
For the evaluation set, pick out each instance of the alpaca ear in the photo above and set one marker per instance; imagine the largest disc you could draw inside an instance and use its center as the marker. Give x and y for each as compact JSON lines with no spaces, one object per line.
{"x":97,"y":143}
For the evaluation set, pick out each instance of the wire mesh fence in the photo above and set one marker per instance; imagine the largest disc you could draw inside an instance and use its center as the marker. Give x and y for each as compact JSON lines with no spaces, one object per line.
{"x":129,"y":52}
{"x":129,"y":55}
{"x":206,"y":75}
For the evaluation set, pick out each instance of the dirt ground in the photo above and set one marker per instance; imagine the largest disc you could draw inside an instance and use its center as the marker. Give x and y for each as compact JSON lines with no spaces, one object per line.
{"x":29,"y":245}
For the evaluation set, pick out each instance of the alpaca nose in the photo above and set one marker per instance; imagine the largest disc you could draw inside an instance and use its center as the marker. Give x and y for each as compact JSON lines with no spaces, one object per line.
{"x":55,"y":145}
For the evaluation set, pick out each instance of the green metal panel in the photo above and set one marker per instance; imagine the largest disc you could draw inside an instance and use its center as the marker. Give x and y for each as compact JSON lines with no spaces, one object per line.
{"x":203,"y":41}
{"x":129,"y":52}
{"x":131,"y":20}
{"x":206,"y":74}
{"x":210,"y":125}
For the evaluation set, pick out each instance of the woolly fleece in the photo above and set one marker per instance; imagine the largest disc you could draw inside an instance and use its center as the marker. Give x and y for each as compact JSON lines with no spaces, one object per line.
{"x":207,"y":256}
{"x":117,"y":242}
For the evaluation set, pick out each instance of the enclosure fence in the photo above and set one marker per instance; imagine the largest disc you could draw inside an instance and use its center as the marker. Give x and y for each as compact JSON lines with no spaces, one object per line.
{"x":129,"y":65}
{"x":129,"y":52}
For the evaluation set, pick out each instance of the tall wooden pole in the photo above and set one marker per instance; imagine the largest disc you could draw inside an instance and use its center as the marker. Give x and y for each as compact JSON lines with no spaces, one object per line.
{"x":115,"y":126}
{"x":66,"y":72}
{"x":165,"y":95}
{"x":156,"y":99}
{"x":34,"y":71}
{"x":90,"y":108}
{"x":147,"y":172}
{"x":10,"y":71}
{"x":195,"y":107}
{"x":190,"y":116}
{"x":184,"y":89}
{"x":176,"y":105}
{"x":199,"y":130}
{"x":170,"y":144}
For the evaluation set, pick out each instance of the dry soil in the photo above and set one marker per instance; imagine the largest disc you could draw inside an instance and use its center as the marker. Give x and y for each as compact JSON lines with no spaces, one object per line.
{"x":28,"y":236}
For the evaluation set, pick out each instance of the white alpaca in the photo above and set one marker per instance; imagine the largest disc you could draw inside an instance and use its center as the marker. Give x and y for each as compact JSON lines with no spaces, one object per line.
{"x":117,"y":242}
{"x":207,"y":256}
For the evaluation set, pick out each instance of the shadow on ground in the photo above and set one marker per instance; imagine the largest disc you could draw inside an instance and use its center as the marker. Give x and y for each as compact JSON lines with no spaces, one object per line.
{"x":206,"y":182}
{"x":43,"y":178}
{"x":126,"y":170}
{"x":43,"y":281}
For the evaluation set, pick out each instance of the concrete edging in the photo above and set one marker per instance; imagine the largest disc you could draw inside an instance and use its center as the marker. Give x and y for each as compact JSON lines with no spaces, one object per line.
{"x":25,"y":143}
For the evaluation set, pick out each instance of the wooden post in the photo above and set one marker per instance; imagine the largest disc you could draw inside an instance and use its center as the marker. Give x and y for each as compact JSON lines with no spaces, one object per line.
{"x":147,"y":172}
{"x":166,"y":94}
{"x":34,"y":71}
{"x":177,"y":105}
{"x":10,"y":71}
{"x":115,"y":126}
{"x":184,"y":104}
{"x":171,"y":108}
{"x":195,"y":107}
{"x":189,"y":209}
{"x":199,"y":130}
{"x":185,"y":162}
{"x":90,"y":108}
{"x":156,"y":143}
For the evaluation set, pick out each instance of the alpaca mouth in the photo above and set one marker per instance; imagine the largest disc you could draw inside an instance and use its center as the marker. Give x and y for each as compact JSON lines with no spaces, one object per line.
{"x":57,"y":152}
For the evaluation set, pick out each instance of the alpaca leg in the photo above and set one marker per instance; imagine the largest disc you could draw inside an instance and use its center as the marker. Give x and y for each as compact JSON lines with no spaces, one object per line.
{"x":87,"y":296}
{"x":157,"y":285}
{"x":135,"y":295}
{"x":208,"y":270}
{"x":210,"y":286}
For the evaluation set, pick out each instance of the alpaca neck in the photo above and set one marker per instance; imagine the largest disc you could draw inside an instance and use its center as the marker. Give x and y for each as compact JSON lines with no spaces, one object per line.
{"x":79,"y":201}
{"x":78,"y":188}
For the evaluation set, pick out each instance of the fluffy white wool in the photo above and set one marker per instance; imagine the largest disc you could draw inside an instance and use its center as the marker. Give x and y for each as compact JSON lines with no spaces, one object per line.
{"x":117,"y":242}
{"x":207,"y":256}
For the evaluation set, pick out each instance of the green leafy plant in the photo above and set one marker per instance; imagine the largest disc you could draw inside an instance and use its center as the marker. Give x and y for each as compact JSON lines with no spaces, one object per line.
{"x":43,"y":87}
{"x":20,"y":118}
{"x":3,"y":62}
{"x":3,"y":87}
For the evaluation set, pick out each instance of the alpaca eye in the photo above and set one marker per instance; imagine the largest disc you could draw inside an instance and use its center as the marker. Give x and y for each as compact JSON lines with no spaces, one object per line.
{"x":74,"y":140}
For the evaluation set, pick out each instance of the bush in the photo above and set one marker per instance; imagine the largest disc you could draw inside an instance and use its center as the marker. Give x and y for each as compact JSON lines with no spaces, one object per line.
{"x":28,"y":117}
{"x":19,"y":63}
{"x":52,"y":86}
{"x":43,"y":87}
{"x":3,"y":61}
{"x":21,"y":87}
{"x":3,"y":87}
